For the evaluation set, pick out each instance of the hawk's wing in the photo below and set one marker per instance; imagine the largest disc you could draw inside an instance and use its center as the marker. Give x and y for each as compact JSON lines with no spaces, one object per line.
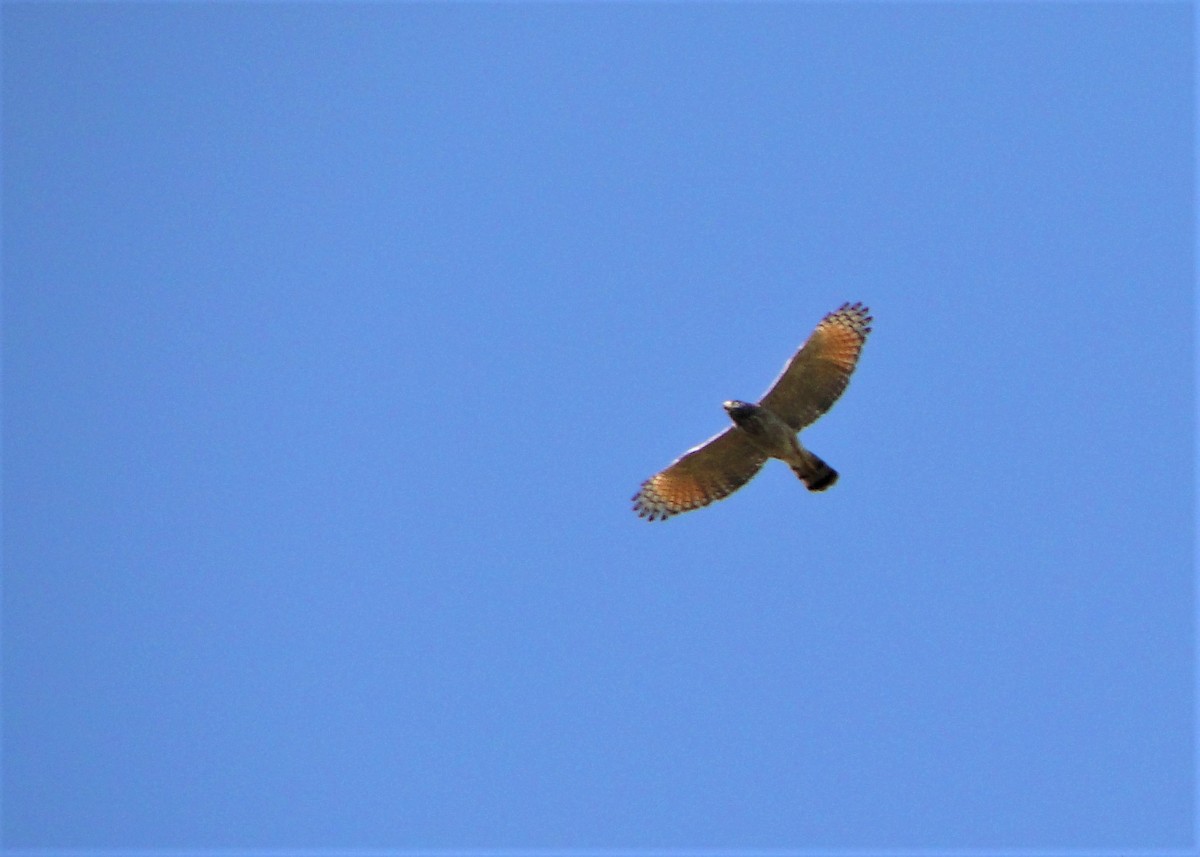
{"x":708,"y":472}
{"x":818,"y":373}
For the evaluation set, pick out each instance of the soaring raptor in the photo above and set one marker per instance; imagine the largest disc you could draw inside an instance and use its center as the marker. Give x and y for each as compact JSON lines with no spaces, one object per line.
{"x":808,"y":386}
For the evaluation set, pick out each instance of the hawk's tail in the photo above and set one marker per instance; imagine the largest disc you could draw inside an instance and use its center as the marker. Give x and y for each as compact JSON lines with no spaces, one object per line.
{"x":815,"y":473}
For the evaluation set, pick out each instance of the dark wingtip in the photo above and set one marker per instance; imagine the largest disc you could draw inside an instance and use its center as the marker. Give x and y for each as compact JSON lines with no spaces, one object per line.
{"x":646,"y":512}
{"x":863,"y":313}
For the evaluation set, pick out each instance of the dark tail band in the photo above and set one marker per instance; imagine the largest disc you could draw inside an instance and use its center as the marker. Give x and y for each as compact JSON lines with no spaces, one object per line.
{"x":816,"y":474}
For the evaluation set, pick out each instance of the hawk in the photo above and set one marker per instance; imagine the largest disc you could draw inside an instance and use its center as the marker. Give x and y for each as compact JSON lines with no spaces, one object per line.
{"x":808,"y":386}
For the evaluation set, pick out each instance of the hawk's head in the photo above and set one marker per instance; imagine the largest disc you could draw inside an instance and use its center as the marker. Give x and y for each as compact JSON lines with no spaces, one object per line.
{"x":739,"y":412}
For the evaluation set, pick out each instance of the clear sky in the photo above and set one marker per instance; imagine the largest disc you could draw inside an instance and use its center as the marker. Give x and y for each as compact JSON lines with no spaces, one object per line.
{"x":337,"y":337}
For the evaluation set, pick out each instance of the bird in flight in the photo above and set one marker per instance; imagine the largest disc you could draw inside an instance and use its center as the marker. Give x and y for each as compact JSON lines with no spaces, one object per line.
{"x":808,"y":386}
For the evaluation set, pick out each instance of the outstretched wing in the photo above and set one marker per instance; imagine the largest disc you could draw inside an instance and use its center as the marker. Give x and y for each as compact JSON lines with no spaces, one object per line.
{"x":711,"y":471}
{"x":818,"y":373}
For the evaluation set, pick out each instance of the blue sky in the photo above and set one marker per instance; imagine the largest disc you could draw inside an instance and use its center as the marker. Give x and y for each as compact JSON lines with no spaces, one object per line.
{"x":337,"y":337}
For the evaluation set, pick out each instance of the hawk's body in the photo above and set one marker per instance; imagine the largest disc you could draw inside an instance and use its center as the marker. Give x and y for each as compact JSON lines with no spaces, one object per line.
{"x":776,"y":439}
{"x":808,"y":386}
